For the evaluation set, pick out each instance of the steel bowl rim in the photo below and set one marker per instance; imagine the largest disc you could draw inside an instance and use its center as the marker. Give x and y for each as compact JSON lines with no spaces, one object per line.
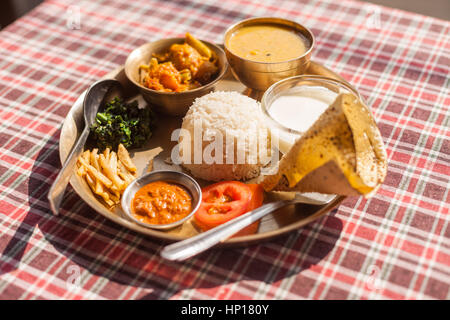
{"x":203,"y":87}
{"x":198,"y":190}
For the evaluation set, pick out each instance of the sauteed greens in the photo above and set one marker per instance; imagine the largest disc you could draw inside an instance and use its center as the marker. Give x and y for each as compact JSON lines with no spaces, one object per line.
{"x":122,"y":123}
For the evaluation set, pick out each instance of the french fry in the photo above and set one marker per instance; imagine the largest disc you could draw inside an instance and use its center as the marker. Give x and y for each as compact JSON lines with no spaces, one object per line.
{"x":107,"y":174}
{"x":124,"y":173}
{"x":198,"y":45}
{"x":86,"y":155}
{"x":82,"y":169}
{"x":113,"y":196}
{"x":124,"y":157}
{"x":106,"y":153}
{"x":91,"y":182}
{"x":107,"y":199}
{"x":110,"y":203}
{"x":104,"y":194}
{"x":110,"y":170}
{"x":97,"y":174}
{"x":113,"y":162}
{"x":93,"y":159}
{"x":98,"y":187}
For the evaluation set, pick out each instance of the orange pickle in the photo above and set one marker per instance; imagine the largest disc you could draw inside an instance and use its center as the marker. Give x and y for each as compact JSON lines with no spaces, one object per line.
{"x":161,"y":202}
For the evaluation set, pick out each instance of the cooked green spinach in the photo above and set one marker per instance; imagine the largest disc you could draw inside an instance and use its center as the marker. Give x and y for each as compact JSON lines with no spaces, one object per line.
{"x":124,"y":123}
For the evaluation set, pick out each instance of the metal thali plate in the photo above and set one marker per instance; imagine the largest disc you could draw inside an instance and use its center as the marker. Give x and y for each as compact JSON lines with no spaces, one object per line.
{"x":275,"y":224}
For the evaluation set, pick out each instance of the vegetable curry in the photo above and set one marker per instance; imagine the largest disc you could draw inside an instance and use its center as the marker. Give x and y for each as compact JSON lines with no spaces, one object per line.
{"x":184,"y":67}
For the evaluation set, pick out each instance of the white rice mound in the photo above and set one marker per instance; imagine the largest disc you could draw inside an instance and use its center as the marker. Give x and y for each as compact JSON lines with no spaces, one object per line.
{"x":235,"y":116}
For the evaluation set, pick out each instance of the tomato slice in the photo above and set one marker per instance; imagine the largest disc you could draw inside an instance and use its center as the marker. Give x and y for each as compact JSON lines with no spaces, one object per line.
{"x":227,"y":200}
{"x":255,"y":202}
{"x":222,"y":202}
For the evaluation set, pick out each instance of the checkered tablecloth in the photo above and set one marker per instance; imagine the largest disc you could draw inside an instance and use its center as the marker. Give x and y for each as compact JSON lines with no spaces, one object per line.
{"x":395,"y":245}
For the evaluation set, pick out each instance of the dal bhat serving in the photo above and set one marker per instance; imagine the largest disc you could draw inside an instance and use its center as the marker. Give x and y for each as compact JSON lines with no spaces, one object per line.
{"x":329,"y":139}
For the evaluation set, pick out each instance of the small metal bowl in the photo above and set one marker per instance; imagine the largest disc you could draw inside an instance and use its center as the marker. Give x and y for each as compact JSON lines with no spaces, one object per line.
{"x":171,"y":103}
{"x":261,"y":75}
{"x":168,"y":176}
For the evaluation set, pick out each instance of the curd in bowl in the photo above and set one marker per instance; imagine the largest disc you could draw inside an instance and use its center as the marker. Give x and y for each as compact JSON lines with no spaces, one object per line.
{"x":292,"y":105}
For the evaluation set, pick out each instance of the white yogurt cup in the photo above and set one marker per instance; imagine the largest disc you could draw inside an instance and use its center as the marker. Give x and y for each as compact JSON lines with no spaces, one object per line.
{"x":293,"y":104}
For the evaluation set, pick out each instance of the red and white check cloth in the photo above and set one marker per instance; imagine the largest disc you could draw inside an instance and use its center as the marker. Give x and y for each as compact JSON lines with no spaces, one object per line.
{"x":396,"y":245}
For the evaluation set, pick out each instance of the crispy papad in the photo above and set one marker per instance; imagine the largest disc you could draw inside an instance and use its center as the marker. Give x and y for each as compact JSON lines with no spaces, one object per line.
{"x":342,"y":153}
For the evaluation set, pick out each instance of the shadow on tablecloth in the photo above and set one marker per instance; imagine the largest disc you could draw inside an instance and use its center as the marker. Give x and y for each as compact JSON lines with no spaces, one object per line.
{"x":44,"y":167}
{"x":100,"y":248}
{"x":269,"y":262}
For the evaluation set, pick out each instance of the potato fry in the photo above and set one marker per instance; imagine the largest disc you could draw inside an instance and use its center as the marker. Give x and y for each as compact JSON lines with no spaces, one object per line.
{"x":113,"y":196}
{"x":110,"y":203}
{"x":198,"y":45}
{"x":81,"y":171}
{"x":98,"y":187}
{"x":91,"y":182}
{"x":124,"y":157}
{"x":113,"y":162}
{"x":105,"y":195}
{"x":110,"y":170}
{"x":124,"y":173}
{"x":94,"y":159}
{"x":106,"y":174}
{"x":97,"y":174}
{"x":86,"y":155}
{"x":106,"y":153}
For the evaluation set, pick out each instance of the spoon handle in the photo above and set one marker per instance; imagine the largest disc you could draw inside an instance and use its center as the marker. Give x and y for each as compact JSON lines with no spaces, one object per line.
{"x":56,"y":193}
{"x":205,"y":240}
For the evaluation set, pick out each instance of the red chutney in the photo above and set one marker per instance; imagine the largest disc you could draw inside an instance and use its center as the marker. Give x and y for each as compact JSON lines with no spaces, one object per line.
{"x":161,"y":202}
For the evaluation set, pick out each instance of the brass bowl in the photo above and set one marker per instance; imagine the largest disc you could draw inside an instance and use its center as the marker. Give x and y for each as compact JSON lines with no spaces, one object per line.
{"x":171,"y":103}
{"x":261,"y":75}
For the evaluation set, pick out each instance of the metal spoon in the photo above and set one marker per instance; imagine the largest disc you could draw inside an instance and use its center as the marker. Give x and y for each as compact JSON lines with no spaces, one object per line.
{"x":96,"y":95}
{"x":205,"y":240}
